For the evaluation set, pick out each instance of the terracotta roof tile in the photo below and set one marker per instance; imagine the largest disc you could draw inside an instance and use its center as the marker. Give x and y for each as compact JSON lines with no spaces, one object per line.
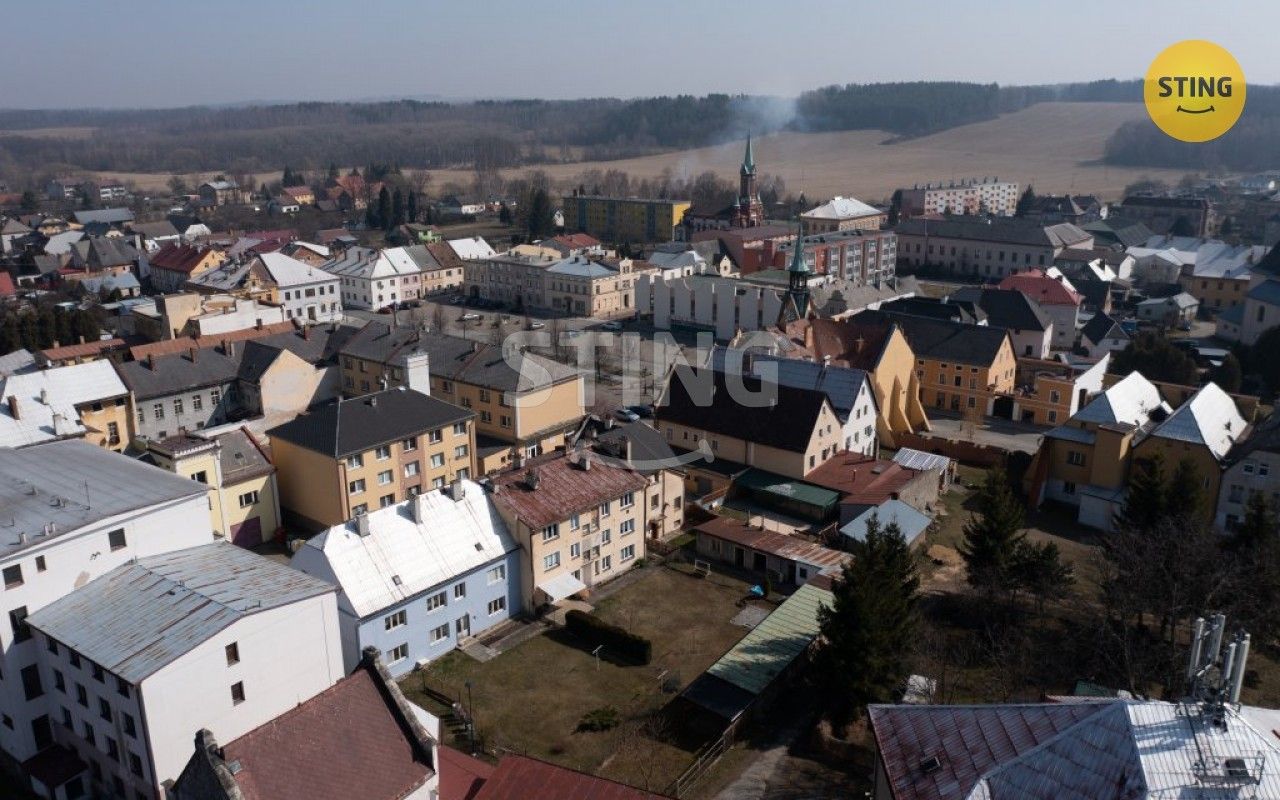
{"x":1041,"y":288}
{"x":171,"y":347}
{"x":563,"y":488}
{"x":81,"y":350}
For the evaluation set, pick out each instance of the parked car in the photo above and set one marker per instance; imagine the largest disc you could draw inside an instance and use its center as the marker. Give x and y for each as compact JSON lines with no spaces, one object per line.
{"x":645,"y":411}
{"x":469,"y":317}
{"x":611,"y":326}
{"x":572,"y":333}
{"x":627,"y":415}
{"x":537,"y":326}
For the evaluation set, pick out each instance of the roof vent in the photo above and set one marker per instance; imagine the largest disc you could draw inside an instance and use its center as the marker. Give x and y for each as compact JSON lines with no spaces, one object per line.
{"x":930,"y":765}
{"x":396,"y":580}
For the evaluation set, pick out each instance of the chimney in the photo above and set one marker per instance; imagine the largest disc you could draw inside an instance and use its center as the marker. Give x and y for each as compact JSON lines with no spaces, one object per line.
{"x":585,"y":460}
{"x":362,"y":523}
{"x":418,"y":508}
{"x":194,"y":353}
{"x":531,"y":479}
{"x":44,"y":395}
{"x":455,"y":490}
{"x":257,"y":325}
{"x":306,"y":332}
{"x":518,"y":461}
{"x":14,"y":411}
{"x":151,"y":362}
{"x":626,"y":450}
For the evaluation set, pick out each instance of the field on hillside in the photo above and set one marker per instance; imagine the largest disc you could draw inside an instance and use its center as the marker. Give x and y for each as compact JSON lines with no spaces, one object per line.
{"x":1056,"y":147}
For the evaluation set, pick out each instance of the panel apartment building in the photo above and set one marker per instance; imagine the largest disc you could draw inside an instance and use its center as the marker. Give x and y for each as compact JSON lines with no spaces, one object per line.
{"x":961,"y":197}
{"x":625,"y":219}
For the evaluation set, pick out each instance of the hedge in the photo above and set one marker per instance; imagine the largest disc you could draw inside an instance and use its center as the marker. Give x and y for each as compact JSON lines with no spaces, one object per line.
{"x":615,"y":640}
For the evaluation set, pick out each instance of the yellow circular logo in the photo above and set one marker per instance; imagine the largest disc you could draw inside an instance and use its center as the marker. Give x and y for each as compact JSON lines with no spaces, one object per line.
{"x":1194,"y":91}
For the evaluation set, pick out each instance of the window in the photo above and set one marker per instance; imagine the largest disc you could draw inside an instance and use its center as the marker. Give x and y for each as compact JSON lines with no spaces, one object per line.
{"x":157,"y":411}
{"x":439,"y":634}
{"x":393,"y":621}
{"x":74,"y":658}
{"x":40,"y":565}
{"x":437,"y":600}
{"x":435,"y":437}
{"x":606,"y":536}
{"x":437,"y":460}
{"x":18,"y":622}
{"x":409,"y":445}
{"x":177,"y":406}
{"x":116,"y":540}
{"x":126,"y":722}
{"x":89,"y":736}
{"x":249,"y":499}
{"x":82,"y":696}
{"x":1075,"y":458}
{"x":1263,"y":469}
{"x":215,"y":397}
{"x":628,"y":499}
{"x":497,"y":605}
{"x":574,"y":522}
{"x":59,"y":682}
{"x":383,"y":453}
{"x":200,"y":477}
{"x":31,"y":686}
{"x":99,"y":674}
{"x":459,"y":591}
{"x":411,"y":469}
{"x":551,"y":532}
{"x":135,"y":765}
{"x":460,"y":451}
{"x":1068,"y":487}
{"x":459,"y":428}
{"x":197,"y":402}
{"x":237,"y":693}
{"x":355,"y":462}
{"x":13,"y":576}
{"x":628,"y":553}
{"x":605,"y":508}
{"x":104,"y":710}
{"x":627,"y":526}
{"x":606,"y":564}
{"x":384,"y":477}
{"x":357,"y":510}
{"x":356,"y":486}
{"x":551,"y":561}
{"x":495,"y":574}
{"x":575,"y":550}
{"x":398,"y":653}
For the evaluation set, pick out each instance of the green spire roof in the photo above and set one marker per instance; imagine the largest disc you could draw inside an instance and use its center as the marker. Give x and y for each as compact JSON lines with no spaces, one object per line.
{"x":749,"y":160}
{"x":798,"y":264}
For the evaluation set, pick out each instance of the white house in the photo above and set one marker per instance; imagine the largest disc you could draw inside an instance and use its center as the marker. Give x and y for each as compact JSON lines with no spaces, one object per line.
{"x":474,"y":247}
{"x":1102,"y":335}
{"x":212,"y":637}
{"x":1252,"y":467}
{"x":306,"y":292}
{"x":74,"y":512}
{"x":371,"y":279}
{"x":418,"y":577}
{"x":46,"y":404}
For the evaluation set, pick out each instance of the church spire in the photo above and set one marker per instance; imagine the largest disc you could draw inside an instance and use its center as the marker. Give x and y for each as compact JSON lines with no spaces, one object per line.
{"x":798,"y":263}
{"x":748,"y":159}
{"x":795,"y":303}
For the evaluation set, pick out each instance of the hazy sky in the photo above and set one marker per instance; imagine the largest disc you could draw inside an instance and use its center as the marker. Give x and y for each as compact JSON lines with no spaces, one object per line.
{"x":68,"y":53}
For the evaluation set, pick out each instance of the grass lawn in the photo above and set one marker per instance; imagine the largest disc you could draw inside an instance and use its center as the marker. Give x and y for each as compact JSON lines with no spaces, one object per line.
{"x":531,"y":698}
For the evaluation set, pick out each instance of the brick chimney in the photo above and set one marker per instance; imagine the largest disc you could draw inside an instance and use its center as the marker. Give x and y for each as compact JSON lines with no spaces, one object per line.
{"x":151,"y":362}
{"x":194,"y":353}
{"x":14,"y":410}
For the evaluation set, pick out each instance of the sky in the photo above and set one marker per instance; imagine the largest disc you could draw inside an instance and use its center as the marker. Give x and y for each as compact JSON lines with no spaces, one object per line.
{"x":148,"y":53}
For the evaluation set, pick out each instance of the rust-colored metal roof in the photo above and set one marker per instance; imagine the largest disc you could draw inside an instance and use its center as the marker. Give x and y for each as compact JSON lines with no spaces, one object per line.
{"x":81,"y":350}
{"x":861,"y":479}
{"x":178,"y":257}
{"x":791,"y":548}
{"x":347,"y":741}
{"x":173,"y":347}
{"x":524,"y":778}
{"x":563,"y":488}
{"x":461,"y":776}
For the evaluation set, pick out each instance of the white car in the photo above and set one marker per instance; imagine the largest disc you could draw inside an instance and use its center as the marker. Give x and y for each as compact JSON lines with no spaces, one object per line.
{"x":468,"y":317}
{"x":611,"y":326}
{"x":536,"y":326}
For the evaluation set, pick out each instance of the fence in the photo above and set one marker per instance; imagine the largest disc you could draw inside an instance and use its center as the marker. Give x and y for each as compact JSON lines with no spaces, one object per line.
{"x":703,"y":761}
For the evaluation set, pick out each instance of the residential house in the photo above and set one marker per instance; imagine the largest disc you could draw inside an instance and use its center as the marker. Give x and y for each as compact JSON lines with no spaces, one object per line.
{"x":419,"y":578}
{"x":126,"y":284}
{"x":1077,"y":748}
{"x":472,"y":248}
{"x":1261,"y":310}
{"x":244,"y":501}
{"x":1187,"y":216}
{"x":1076,"y":209}
{"x":525,"y":404}
{"x":300,"y":195}
{"x":1084,"y":462}
{"x":842,"y":214}
{"x":69,"y":526}
{"x":1056,"y":296}
{"x":849,"y":389}
{"x":83,"y":352}
{"x":101,"y":255}
{"x":861,"y":256}
{"x":982,"y":247}
{"x":151,"y":236}
{"x":306,"y":292}
{"x":786,"y":561}
{"x":220,"y":192}
{"x":639,"y":447}
{"x":579,"y":518}
{"x":1202,"y":430}
{"x":170,"y":641}
{"x":516,"y":278}
{"x":581,"y":286}
{"x":865,"y":484}
{"x":1251,"y":466}
{"x":1102,"y":335}
{"x":173,"y":265}
{"x":1177,"y":309}
{"x":351,"y":456}
{"x":1029,"y":326}
{"x":359,"y":738}
{"x":115,"y":218}
{"x":375,"y":279}
{"x":959,"y":367}
{"x":524,"y":778}
{"x":442,"y":269}
{"x":782,"y":429}
{"x":1222,"y":274}
{"x":77,"y":401}
{"x":911,"y":522}
{"x":1117,"y":232}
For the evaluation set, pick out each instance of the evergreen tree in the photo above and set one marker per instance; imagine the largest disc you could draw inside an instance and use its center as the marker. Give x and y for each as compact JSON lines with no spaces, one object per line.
{"x":29,"y":202}
{"x":869,"y":629}
{"x":333,"y":171}
{"x":895,"y":207}
{"x":992,"y":537}
{"x":1226,"y":228}
{"x":1040,"y":572}
{"x":1268,"y":366}
{"x":539,"y":216}
{"x":384,"y":208}
{"x":1184,"y":499}
{"x":397,"y":209}
{"x":1257,"y":527}
{"x":1228,"y":374}
{"x":1155,"y":357}
{"x":411,"y":210}
{"x":1026,"y":202}
{"x":1144,"y":505}
{"x":504,"y":214}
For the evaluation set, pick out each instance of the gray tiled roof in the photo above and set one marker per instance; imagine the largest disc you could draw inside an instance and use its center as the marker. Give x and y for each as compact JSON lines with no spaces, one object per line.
{"x":146,"y":614}
{"x":344,"y":427}
{"x":943,"y":339}
{"x":997,"y":229}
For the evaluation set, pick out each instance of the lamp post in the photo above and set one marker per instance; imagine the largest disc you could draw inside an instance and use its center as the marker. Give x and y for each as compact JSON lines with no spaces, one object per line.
{"x":471,"y":720}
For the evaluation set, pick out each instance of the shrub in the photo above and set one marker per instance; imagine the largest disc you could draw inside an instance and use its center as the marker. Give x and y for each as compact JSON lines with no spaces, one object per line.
{"x":600,"y":719}
{"x":618,"y":641}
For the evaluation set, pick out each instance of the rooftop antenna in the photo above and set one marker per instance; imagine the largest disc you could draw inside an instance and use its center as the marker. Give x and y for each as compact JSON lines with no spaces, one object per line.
{"x":1214,"y":680}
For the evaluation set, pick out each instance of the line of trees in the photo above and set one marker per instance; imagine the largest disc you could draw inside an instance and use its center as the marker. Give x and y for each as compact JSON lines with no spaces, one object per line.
{"x":40,"y":329}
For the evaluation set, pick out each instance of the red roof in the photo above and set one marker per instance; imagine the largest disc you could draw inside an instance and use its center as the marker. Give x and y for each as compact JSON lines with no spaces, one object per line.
{"x":298,"y":192}
{"x":563,"y":488}
{"x":524,"y":778}
{"x":178,"y":258}
{"x":577,"y":240}
{"x":80,"y":350}
{"x":1041,"y":288}
{"x":790,"y":548}
{"x":7,"y":289}
{"x":347,"y":741}
{"x":182,"y":344}
{"x":461,"y":776}
{"x":862,"y":479}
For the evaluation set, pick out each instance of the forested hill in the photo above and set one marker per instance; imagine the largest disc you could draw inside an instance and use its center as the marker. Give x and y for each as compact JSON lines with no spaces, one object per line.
{"x":488,"y":134}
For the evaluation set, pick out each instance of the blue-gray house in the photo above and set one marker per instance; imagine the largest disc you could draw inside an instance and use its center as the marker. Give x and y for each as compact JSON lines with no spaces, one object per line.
{"x":418,"y":578}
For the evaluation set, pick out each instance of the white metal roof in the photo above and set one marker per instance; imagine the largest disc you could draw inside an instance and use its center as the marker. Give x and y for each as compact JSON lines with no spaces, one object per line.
{"x":400,"y":558}
{"x":841,"y":208}
{"x":47,"y":401}
{"x":918,"y":459}
{"x":474,"y":247}
{"x":562,"y":586}
{"x":578,"y":266}
{"x":1130,"y":401}
{"x":289,"y":271}
{"x":1209,"y":417}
